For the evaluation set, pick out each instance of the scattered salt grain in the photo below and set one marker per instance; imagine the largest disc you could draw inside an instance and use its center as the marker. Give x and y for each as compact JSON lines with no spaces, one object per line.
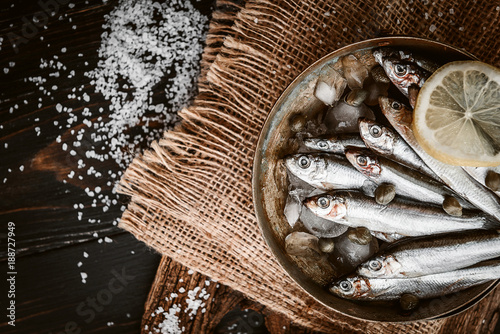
{"x":85,"y":255}
{"x":432,"y":28}
{"x":21,"y":168}
{"x":79,"y":264}
{"x":84,"y":277}
{"x":171,"y":323}
{"x":108,"y":240}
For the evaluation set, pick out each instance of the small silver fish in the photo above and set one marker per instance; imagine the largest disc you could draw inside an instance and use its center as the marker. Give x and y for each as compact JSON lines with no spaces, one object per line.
{"x":485,"y":174}
{"x":402,"y":73}
{"x":404,"y":217}
{"x":334,"y":144}
{"x":429,"y":286}
{"x":408,"y":182}
{"x":326,"y":171}
{"x":431,"y":255}
{"x":455,"y":177}
{"x":386,"y":142}
{"x":421,"y":61}
{"x":407,"y":55}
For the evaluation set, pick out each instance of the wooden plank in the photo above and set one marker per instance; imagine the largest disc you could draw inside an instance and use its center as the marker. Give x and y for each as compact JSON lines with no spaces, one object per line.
{"x":225,"y":310}
{"x":51,"y":297}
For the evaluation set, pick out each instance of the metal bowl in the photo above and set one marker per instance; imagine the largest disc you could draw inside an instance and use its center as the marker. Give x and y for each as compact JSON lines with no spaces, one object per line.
{"x":270,"y":190}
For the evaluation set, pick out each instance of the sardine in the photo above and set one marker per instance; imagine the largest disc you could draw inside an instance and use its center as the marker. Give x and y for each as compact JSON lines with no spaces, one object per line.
{"x":387,"y":143}
{"x":402,"y":73}
{"x":404,"y":217}
{"x":455,"y":177}
{"x":421,"y":61}
{"x":429,"y":286}
{"x":334,"y":144}
{"x":326,"y":171}
{"x":408,"y":182}
{"x":431,"y":255}
{"x":404,"y":54}
{"x":485,"y":174}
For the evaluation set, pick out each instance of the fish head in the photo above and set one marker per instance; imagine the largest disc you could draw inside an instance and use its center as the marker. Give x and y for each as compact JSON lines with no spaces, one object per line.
{"x":399,"y":115}
{"x":324,"y":144}
{"x":306,"y":166}
{"x":403,"y":73}
{"x":380,"y":266}
{"x":364,"y":161}
{"x":328,"y":206}
{"x":352,"y":287}
{"x":377,"y":137}
{"x":384,"y":52}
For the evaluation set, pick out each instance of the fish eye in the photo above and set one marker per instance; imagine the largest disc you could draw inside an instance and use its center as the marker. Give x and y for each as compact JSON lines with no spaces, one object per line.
{"x":376,"y":131}
{"x":345,"y":286}
{"x":375,"y":265}
{"x":400,"y":69}
{"x":322,"y":144}
{"x":304,"y":162}
{"x":361,"y":160}
{"x":323,"y":202}
{"x":396,"y":105}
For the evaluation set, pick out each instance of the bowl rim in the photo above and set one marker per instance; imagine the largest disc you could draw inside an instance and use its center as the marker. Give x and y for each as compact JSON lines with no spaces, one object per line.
{"x":258,"y":158}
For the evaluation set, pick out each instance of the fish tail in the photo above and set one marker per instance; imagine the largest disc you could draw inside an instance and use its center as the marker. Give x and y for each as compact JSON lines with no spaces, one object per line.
{"x":491,"y":224}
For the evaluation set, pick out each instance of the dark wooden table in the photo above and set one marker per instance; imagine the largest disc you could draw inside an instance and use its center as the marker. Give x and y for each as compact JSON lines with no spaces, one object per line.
{"x":73,"y":270}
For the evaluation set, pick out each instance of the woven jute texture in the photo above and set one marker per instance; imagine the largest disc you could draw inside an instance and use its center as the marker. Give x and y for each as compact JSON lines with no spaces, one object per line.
{"x":191,"y":196}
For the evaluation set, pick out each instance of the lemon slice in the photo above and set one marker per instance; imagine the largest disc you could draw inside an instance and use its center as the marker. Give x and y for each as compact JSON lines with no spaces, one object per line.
{"x":457,"y":114}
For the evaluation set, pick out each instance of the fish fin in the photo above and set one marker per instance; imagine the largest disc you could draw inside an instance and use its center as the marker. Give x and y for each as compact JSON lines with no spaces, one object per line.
{"x":491,"y":224}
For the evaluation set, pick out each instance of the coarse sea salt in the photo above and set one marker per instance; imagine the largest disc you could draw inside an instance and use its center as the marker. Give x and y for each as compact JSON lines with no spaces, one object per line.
{"x":194,"y":301}
{"x":146,"y":44}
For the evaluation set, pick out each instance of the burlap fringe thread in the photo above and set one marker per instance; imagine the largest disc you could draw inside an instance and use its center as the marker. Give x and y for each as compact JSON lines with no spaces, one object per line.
{"x":191,"y":195}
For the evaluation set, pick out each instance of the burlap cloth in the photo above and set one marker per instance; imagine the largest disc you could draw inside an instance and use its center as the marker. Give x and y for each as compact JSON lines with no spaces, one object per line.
{"x":191,"y":196}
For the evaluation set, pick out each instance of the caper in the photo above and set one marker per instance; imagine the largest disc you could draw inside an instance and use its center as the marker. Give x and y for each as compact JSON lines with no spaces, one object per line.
{"x":360,"y":236}
{"x":326,"y":245}
{"x":385,"y":193}
{"x":298,"y":123}
{"x":492,"y":180}
{"x":302,"y":244}
{"x":408,"y":301}
{"x":452,"y":207}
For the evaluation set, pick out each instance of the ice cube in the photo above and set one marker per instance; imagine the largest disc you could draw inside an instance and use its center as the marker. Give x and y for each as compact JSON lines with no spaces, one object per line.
{"x":302,"y":244}
{"x":343,"y":118}
{"x":330,"y":85}
{"x":322,"y":228}
{"x":347,"y":255}
{"x":354,"y":72}
{"x":375,"y":89}
{"x":292,"y":209}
